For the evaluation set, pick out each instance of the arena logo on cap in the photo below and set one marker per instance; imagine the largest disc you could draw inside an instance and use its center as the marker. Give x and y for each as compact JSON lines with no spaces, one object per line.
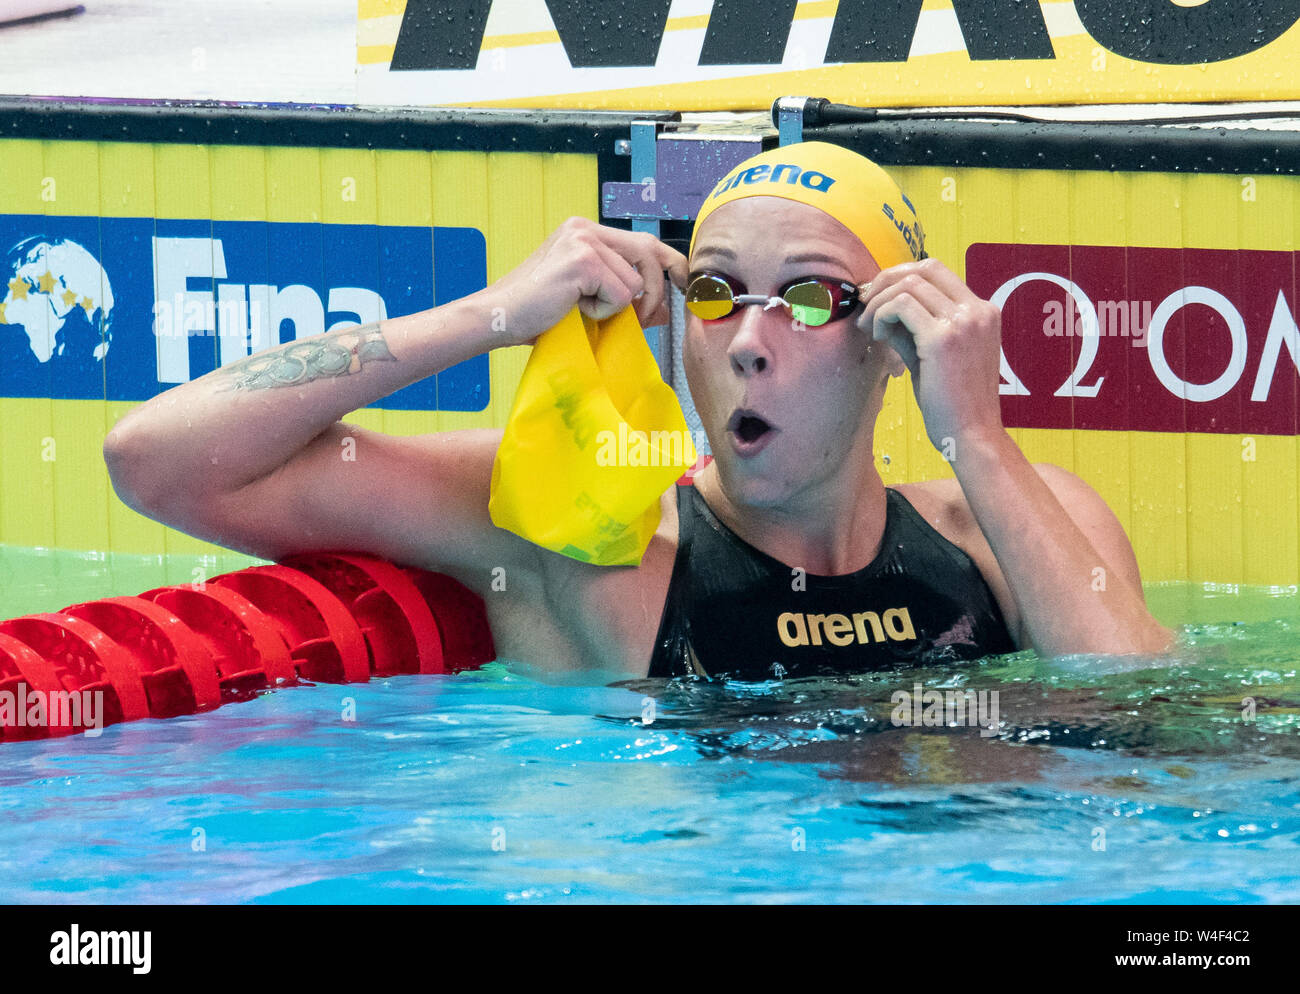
{"x":787,"y":171}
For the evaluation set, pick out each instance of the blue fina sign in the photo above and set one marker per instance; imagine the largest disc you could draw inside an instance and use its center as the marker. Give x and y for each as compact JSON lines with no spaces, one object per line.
{"x":125,"y":308}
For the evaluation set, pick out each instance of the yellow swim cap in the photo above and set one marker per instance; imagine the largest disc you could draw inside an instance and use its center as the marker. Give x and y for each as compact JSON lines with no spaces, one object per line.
{"x":847,"y":186}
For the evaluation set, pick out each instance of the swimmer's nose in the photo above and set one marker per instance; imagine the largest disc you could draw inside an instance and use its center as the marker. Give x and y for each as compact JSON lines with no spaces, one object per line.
{"x":749,"y":352}
{"x":747,"y":364}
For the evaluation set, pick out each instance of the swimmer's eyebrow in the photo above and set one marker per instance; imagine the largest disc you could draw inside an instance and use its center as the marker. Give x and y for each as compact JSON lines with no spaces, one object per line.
{"x":813,"y":257}
{"x":722,"y":253}
{"x":726,"y":253}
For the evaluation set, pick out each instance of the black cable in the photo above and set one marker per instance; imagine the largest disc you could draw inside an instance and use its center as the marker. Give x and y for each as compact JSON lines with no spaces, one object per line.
{"x":820,"y":112}
{"x":1261,"y":115}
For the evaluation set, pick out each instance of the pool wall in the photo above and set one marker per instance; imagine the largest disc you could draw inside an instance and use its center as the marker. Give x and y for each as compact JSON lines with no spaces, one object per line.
{"x":210,"y":225}
{"x":206,"y":221}
{"x":1192,"y":438}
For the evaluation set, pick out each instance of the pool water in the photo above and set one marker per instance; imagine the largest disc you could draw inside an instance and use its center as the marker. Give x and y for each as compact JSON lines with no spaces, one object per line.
{"x":1107,"y":780}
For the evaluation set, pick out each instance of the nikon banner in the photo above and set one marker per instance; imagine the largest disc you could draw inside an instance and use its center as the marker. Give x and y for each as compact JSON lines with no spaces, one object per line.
{"x":742,"y":54}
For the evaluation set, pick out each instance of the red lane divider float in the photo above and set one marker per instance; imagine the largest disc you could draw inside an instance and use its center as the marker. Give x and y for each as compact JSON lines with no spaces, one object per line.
{"x":245,"y":644}
{"x":331,"y":617}
{"x":323,"y":637}
{"x":176,"y":668}
{"x":462,"y":620}
{"x":86,"y":660}
{"x":23,"y":669}
{"x":394,"y":617}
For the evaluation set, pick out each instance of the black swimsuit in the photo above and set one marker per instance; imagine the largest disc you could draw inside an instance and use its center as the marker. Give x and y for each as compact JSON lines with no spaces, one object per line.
{"x":735,"y":611}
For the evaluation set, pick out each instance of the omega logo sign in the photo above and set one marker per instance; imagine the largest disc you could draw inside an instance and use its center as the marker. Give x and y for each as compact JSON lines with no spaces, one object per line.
{"x":1143,"y":339}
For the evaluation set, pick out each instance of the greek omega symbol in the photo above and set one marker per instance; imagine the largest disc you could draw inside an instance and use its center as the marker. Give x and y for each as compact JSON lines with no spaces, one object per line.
{"x":1205,"y":348}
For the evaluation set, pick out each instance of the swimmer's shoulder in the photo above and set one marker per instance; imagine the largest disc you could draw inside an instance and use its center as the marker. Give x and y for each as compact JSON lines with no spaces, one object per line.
{"x":609,"y":615}
{"x":943,"y":505}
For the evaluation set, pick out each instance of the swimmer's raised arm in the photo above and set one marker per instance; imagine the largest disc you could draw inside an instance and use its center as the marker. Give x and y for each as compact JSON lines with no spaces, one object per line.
{"x":254,"y":455}
{"x":1072,"y":572}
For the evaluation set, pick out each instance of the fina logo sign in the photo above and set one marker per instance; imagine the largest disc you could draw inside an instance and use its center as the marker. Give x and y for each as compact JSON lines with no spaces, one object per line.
{"x":162,"y":302}
{"x":968,"y":51}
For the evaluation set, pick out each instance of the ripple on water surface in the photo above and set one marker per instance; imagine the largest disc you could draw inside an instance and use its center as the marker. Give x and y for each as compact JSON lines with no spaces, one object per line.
{"x":1100,"y":780}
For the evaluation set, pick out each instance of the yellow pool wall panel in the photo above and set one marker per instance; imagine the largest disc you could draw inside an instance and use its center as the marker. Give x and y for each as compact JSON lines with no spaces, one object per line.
{"x":54,"y":488}
{"x":1194,"y":508}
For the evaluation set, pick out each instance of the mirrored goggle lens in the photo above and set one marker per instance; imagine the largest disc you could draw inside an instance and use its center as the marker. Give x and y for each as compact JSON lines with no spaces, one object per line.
{"x":709,"y":298}
{"x":811,"y":303}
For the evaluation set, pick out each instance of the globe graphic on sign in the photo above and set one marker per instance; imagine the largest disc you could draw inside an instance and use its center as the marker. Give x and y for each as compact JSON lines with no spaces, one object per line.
{"x":57,"y":299}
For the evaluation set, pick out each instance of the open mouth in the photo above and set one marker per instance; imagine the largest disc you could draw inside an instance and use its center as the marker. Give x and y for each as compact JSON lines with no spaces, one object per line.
{"x":748,"y":426}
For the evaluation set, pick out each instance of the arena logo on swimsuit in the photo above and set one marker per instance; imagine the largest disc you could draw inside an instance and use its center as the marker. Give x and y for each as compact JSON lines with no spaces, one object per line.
{"x":796,"y":629}
{"x":124,"y":308}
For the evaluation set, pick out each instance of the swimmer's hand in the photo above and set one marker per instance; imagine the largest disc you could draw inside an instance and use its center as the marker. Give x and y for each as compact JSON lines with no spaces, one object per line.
{"x":1050,"y":536}
{"x":949,"y":339}
{"x":597,"y":268}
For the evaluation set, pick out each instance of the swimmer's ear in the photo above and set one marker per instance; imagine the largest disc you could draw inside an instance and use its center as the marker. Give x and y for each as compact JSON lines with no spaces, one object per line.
{"x":893,"y":362}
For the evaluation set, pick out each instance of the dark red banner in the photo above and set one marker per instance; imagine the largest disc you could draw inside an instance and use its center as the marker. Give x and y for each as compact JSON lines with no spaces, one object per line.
{"x":1144,"y":339}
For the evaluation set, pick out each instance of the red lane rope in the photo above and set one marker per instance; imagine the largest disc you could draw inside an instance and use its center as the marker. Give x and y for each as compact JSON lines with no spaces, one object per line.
{"x":333,"y":617}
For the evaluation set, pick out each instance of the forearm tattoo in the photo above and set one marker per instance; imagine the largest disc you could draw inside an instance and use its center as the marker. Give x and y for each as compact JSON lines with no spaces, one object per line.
{"x":297,"y":363}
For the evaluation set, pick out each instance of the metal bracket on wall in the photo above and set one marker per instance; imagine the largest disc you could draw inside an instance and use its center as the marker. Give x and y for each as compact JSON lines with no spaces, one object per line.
{"x":674,"y":166}
{"x":787,"y":115}
{"x":676,"y":163}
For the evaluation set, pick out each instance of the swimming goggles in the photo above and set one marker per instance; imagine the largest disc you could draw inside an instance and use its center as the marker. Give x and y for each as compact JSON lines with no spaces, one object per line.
{"x":812,"y":300}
